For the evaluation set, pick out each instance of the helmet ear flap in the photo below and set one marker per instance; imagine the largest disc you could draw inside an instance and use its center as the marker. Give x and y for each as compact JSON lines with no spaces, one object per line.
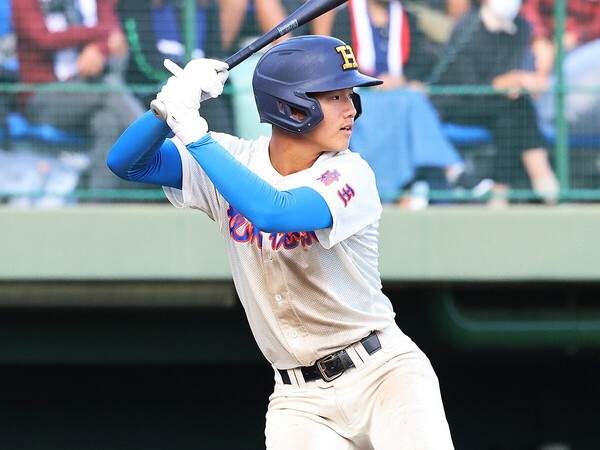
{"x":293,"y":112}
{"x":283,"y":112}
{"x":357,"y":105}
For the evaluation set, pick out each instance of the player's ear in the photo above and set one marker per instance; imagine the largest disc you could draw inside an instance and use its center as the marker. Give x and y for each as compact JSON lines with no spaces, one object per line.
{"x":298,"y":114}
{"x":295,"y":113}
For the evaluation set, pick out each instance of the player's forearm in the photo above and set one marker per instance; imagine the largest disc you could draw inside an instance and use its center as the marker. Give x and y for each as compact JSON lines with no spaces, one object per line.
{"x":142,"y":154}
{"x":267,"y":208}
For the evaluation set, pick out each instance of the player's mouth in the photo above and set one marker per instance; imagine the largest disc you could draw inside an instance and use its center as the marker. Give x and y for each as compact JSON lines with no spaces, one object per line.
{"x":347,"y":129}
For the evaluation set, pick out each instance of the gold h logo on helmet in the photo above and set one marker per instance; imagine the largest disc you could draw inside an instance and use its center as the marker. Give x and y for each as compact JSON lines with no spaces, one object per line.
{"x":348,"y":55}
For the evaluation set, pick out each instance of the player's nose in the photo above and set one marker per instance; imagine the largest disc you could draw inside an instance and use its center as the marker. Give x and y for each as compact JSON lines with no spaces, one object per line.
{"x":349,"y":108}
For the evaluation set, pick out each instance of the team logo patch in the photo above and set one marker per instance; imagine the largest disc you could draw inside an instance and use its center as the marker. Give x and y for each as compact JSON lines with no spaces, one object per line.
{"x":346,"y":194}
{"x":348,"y":55}
{"x":329,"y":177}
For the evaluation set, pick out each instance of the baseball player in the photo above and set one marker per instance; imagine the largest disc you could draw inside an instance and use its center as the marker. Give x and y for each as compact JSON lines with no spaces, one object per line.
{"x":299,"y":213}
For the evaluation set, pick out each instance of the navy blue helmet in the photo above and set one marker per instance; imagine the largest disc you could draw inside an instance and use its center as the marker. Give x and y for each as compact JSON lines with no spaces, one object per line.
{"x":289,"y":72}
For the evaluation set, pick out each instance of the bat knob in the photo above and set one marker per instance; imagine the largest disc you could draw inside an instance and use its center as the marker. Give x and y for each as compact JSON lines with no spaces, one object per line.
{"x":158,"y":109}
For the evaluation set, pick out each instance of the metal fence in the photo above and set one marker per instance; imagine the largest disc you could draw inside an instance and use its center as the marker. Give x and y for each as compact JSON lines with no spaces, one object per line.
{"x":45,"y":165}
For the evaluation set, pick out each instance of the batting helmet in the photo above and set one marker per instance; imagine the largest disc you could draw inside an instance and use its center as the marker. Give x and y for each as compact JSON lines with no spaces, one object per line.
{"x":289,"y":72}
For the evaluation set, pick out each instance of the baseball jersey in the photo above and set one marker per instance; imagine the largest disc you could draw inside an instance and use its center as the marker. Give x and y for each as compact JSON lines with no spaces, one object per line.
{"x":306,"y":294}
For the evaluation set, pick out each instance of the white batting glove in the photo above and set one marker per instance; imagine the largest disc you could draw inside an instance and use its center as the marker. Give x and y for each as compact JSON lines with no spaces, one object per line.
{"x":182,"y":104}
{"x":200,"y":80}
{"x":208,"y":75}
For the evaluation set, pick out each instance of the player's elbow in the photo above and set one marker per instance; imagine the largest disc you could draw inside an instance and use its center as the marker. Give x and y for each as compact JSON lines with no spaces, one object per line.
{"x":116,"y":164}
{"x":267,"y":220}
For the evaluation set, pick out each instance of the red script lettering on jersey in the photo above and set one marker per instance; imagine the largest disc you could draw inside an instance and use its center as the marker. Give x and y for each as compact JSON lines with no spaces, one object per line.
{"x":242,"y":230}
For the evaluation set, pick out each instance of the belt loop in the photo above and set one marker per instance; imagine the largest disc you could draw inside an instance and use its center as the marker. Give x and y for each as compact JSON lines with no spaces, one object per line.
{"x":356,"y":355}
{"x":299,"y":380}
{"x":362,"y":352}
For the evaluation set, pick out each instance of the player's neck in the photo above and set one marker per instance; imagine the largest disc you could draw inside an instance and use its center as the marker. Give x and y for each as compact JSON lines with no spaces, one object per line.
{"x":289,"y":154}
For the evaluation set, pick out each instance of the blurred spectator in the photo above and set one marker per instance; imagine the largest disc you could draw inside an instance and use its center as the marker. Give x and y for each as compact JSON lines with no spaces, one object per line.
{"x":436,"y":18}
{"x":232,"y":14}
{"x":431,"y":24}
{"x":9,"y":67}
{"x":489,"y":47}
{"x":266,"y":14}
{"x":581,"y":41}
{"x":167,"y":25}
{"x":80,"y":43}
{"x":155,"y":31}
{"x":413,"y":150}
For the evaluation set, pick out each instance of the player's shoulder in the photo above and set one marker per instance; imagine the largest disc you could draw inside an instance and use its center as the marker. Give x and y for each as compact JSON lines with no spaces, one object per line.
{"x":350,"y":164}
{"x":346,"y":157}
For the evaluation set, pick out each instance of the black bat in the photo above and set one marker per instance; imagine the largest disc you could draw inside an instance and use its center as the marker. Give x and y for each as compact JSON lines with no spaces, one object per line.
{"x":307,"y":12}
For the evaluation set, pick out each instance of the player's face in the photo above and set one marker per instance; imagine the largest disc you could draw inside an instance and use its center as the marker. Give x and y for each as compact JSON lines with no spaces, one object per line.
{"x":335,"y":130}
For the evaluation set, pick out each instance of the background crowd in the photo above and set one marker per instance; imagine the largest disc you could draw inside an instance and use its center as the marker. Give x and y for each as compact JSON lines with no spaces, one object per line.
{"x":98,"y":63}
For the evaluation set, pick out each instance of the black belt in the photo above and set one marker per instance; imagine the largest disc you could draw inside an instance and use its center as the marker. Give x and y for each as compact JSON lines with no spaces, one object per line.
{"x":332,"y":366}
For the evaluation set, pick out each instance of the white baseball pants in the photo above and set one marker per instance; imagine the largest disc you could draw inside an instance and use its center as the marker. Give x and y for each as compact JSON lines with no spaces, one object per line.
{"x":391,"y":401}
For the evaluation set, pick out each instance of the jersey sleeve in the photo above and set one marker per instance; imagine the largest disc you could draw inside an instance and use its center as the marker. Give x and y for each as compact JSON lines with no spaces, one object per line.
{"x":347,"y":183}
{"x":197,"y":191}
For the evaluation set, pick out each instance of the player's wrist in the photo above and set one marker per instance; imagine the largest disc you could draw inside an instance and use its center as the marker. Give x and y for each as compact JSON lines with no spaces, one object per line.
{"x":190,"y":129}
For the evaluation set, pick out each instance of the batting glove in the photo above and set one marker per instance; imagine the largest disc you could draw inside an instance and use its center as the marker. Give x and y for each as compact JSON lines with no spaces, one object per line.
{"x":182,"y":94}
{"x":208,"y":75}
{"x":182,"y":103}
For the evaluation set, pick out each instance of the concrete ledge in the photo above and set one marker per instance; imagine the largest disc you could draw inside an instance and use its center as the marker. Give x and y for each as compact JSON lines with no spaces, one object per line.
{"x":160,"y":242}
{"x":520,"y":243}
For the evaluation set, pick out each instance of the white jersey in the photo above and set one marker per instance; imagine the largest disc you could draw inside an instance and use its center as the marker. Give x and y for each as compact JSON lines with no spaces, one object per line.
{"x":299,"y":304}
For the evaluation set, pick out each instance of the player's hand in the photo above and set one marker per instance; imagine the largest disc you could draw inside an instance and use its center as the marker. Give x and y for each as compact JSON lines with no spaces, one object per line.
{"x":207,"y":75}
{"x":182,"y":102}
{"x":200,"y":80}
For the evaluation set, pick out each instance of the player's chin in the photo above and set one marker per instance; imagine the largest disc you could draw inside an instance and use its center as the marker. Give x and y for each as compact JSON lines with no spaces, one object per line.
{"x":341,"y":142}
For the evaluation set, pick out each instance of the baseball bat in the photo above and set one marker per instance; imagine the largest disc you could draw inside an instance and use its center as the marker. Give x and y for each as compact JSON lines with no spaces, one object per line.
{"x":304,"y":14}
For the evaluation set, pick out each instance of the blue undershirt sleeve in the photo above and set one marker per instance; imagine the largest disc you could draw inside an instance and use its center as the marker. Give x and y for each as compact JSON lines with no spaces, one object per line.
{"x":269,"y":209}
{"x":143,"y":154}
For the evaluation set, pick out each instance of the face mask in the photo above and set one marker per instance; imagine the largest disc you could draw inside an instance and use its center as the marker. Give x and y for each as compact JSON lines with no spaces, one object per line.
{"x":505,"y":9}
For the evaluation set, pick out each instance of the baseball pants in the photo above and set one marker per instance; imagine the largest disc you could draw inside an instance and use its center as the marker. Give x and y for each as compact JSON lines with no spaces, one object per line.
{"x":390,"y":400}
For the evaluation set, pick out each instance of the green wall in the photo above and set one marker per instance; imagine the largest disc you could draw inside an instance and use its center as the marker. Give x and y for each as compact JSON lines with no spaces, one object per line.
{"x":160,"y":242}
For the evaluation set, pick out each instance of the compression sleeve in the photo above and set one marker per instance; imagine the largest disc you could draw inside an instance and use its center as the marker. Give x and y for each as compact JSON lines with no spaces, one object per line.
{"x":269,"y":209}
{"x":142,"y":154}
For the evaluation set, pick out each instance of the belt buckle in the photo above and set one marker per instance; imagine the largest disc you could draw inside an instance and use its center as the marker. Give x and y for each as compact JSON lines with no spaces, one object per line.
{"x":322,"y":369}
